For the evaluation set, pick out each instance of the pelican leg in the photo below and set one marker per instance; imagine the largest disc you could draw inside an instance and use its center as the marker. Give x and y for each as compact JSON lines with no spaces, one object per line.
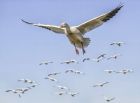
{"x":77,"y":51}
{"x":83,"y":48}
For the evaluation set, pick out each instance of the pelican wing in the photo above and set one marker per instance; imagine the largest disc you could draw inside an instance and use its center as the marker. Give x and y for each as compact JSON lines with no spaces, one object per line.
{"x":105,"y":83}
{"x":98,"y":21}
{"x":56,"y":29}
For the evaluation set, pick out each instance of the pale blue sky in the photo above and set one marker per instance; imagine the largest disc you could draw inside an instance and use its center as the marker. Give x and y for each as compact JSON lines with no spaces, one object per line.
{"x":23,"y":47}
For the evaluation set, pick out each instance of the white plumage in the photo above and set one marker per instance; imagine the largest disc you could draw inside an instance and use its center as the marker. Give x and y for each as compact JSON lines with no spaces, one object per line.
{"x":75,"y":34}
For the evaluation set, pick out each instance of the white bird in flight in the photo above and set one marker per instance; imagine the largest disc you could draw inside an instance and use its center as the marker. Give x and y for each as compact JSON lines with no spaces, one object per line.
{"x":100,"y":84}
{"x":124,"y":71}
{"x":34,"y":85}
{"x":69,"y":71}
{"x":109,"y":99}
{"x":75,"y":34}
{"x":73,"y":94}
{"x":74,"y":71}
{"x":53,"y":74}
{"x":62,"y":87}
{"x":61,"y":93}
{"x":101,"y":56}
{"x":27,"y":81}
{"x":78,"y":72}
{"x":15,"y":91}
{"x":117,"y":43}
{"x":18,"y":91}
{"x":69,"y":62}
{"x":97,"y":60}
{"x":45,"y":62}
{"x":115,"y":56}
{"x":109,"y":71}
{"x":51,"y":79}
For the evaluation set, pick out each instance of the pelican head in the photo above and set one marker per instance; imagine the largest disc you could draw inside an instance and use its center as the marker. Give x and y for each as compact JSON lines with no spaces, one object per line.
{"x":64,"y":25}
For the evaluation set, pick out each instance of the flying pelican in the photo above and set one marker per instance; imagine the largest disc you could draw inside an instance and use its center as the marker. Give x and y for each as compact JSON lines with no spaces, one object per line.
{"x":61,"y":93}
{"x":34,"y":85}
{"x":97,"y":60}
{"x":45,"y":62}
{"x":117,"y":43}
{"x":109,"y":99}
{"x":69,"y":62}
{"x":52,"y":74}
{"x":101,"y":56}
{"x":124,"y":71}
{"x":50,"y":78}
{"x":75,"y":34}
{"x":109,"y":71}
{"x":78,"y":72}
{"x":70,"y":70}
{"x":62,"y":87}
{"x":18,"y":91}
{"x":100,"y":84}
{"x":73,"y":71}
{"x":23,"y":90}
{"x":27,"y":81}
{"x":114,"y":56}
{"x":73,"y":94}
{"x":10,"y":90}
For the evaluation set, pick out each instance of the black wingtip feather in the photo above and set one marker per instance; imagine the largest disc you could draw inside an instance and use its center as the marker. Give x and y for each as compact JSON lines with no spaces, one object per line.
{"x":113,"y":13}
{"x":26,"y":22}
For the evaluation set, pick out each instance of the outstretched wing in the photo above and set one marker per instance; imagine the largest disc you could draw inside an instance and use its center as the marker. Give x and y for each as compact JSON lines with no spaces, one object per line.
{"x":98,"y":21}
{"x":105,"y":83}
{"x":56,"y":29}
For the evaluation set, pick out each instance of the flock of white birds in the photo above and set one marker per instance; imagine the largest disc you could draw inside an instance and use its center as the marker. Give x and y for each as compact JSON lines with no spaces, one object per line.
{"x":76,"y":36}
{"x":20,"y":91}
{"x":64,"y":90}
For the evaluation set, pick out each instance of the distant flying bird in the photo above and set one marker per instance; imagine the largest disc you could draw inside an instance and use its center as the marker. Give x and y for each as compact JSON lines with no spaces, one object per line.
{"x":114,"y":56}
{"x":34,"y":85}
{"x":78,"y":72}
{"x":124,"y":71}
{"x":73,"y":94}
{"x":27,"y":81}
{"x":45,"y":62}
{"x":69,"y":71}
{"x":69,"y":62}
{"x":53,"y":74}
{"x":51,"y":79}
{"x":14,"y":91}
{"x":18,"y":91}
{"x":73,"y":71}
{"x":97,"y":60}
{"x":101,"y":56}
{"x":117,"y":43}
{"x":23,"y":90}
{"x":61,"y":93}
{"x":109,"y":71}
{"x":11,"y":90}
{"x":62,"y":87}
{"x":100,"y":84}
{"x":109,"y":99}
{"x":86,"y":59}
{"x":75,"y":34}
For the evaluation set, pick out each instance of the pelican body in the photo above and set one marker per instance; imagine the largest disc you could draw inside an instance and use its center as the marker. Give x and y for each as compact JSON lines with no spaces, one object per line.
{"x":75,"y":34}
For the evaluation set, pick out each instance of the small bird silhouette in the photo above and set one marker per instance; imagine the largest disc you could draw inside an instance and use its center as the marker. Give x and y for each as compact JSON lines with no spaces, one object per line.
{"x":100,"y":84}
